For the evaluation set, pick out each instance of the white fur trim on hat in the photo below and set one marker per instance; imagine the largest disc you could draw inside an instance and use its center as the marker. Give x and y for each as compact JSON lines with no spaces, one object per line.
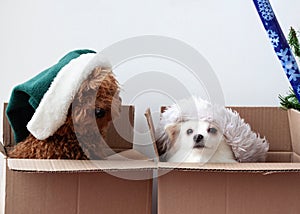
{"x":53,"y":108}
{"x":246,"y":145}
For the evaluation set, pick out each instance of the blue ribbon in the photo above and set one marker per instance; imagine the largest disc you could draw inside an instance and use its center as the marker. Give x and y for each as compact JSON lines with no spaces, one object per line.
{"x":280,"y":45}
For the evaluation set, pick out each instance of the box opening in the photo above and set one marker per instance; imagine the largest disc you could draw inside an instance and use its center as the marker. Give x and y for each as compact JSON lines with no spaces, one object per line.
{"x":119,"y":135}
{"x":120,"y":152}
{"x":278,"y":126}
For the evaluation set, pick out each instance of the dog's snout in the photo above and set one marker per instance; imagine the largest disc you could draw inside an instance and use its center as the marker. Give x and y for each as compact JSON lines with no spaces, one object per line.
{"x":198,"y":137}
{"x":199,"y":142}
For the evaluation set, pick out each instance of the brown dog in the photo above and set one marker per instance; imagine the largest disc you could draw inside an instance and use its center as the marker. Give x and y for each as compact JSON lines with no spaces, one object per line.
{"x":94,"y":105}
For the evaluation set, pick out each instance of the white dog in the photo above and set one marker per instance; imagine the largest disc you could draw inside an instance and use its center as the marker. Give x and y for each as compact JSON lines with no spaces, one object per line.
{"x":197,"y":141}
{"x":194,"y":130}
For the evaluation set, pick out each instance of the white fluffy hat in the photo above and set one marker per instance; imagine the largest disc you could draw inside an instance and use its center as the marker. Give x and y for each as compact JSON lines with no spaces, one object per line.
{"x":246,"y":145}
{"x":53,"y":108}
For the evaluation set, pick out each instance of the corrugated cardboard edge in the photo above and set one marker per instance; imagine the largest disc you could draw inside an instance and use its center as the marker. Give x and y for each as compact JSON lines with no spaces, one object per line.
{"x":2,"y":183}
{"x":54,"y":165}
{"x":264,"y":168}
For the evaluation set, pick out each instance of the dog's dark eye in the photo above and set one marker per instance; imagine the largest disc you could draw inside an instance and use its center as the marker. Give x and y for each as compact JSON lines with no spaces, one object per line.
{"x":212,"y":130}
{"x":189,"y":131}
{"x":99,"y":112}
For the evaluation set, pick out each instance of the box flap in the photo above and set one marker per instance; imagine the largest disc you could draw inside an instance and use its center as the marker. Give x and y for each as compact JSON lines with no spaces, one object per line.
{"x":271,"y":122}
{"x":2,"y":182}
{"x":130,"y":154}
{"x":2,"y":149}
{"x":232,"y":167}
{"x":284,"y":157}
{"x":8,"y":137}
{"x":120,"y":132}
{"x":294,"y":120}
{"x":295,"y":158}
{"x":152,"y":130}
{"x":54,"y":165}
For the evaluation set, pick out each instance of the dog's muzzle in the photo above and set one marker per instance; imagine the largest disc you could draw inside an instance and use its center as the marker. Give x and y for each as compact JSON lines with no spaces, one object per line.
{"x":199,"y":142}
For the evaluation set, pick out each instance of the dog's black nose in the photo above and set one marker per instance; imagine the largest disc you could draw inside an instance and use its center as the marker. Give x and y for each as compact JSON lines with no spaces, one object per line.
{"x":198,"y":137}
{"x":199,"y":142}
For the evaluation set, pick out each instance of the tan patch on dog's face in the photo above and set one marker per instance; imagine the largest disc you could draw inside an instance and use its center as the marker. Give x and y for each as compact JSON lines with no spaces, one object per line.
{"x":172,"y":131}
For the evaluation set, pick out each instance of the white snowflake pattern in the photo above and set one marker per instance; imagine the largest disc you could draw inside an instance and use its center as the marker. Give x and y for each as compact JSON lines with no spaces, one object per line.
{"x":298,"y":89}
{"x":289,"y":64}
{"x":273,"y":37}
{"x":266,"y":9}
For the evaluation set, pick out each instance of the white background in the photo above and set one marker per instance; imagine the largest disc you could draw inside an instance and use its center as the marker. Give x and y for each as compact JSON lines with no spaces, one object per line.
{"x":35,"y":34}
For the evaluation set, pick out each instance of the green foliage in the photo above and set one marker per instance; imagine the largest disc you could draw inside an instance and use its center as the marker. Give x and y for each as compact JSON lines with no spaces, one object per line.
{"x":294,"y":42}
{"x":290,"y":100}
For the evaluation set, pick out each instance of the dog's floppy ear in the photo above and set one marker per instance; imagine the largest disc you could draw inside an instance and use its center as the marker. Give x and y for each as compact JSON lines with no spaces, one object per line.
{"x":172,"y":130}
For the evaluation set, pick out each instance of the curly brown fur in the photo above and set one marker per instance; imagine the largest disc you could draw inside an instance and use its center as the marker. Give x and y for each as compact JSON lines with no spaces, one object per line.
{"x":82,"y":135}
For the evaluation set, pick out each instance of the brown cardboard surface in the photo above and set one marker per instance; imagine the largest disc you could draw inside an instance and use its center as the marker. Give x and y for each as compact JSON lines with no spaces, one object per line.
{"x":85,"y":192}
{"x":122,"y":196}
{"x":228,"y":193}
{"x":271,"y":122}
{"x":294,"y":119}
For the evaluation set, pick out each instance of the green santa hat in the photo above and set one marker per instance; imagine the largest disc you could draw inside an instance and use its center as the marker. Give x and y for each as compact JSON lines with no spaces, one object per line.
{"x":41,"y":104}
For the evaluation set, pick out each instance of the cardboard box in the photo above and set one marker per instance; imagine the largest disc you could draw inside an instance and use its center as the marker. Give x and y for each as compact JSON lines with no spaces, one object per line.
{"x":240,"y":188}
{"x":121,"y":184}
{"x":56,"y":186}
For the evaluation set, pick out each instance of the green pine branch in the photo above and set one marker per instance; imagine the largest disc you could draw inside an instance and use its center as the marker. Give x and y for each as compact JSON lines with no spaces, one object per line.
{"x":294,"y":42}
{"x":290,"y":100}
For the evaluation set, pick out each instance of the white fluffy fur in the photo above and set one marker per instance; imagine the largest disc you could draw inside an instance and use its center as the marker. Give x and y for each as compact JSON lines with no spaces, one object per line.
{"x":246,"y":145}
{"x":53,"y":108}
{"x":213,"y":147}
